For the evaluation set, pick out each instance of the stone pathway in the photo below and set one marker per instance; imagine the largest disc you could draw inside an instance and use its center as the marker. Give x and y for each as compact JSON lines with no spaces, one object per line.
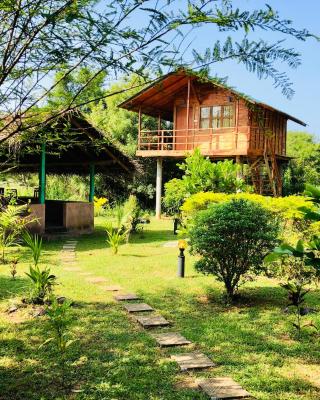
{"x":152,"y":321}
{"x":138,"y":307}
{"x":126,"y":297}
{"x":170,"y":339}
{"x":216,"y":388}
{"x":223,"y":388}
{"x":192,"y":361}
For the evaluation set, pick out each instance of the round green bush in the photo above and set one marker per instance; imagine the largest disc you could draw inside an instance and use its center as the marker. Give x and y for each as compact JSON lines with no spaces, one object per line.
{"x":232,"y":239}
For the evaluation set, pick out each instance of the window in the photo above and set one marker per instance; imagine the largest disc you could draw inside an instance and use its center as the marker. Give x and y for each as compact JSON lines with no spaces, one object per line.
{"x":217,"y":117}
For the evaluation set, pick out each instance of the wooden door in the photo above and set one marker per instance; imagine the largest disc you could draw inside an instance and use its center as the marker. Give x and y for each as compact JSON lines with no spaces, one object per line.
{"x":183,"y":136}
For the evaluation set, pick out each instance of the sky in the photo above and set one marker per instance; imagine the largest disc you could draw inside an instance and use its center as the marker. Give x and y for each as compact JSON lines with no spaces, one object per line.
{"x":305,"y":104}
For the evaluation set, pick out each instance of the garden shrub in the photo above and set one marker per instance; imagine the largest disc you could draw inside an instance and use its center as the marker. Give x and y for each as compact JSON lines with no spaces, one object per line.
{"x":232,"y":239}
{"x":288,"y":208}
{"x":200,"y":174}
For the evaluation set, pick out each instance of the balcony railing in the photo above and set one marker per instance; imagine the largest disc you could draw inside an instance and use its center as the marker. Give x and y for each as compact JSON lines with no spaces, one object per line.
{"x":208,"y":140}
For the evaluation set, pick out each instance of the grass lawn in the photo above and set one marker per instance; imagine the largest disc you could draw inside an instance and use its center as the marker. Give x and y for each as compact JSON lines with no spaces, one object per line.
{"x":114,"y":358}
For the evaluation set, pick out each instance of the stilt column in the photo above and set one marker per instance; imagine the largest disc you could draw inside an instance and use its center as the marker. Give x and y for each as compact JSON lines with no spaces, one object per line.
{"x":158,"y":188}
{"x":91,"y":192}
{"x":42,"y":175}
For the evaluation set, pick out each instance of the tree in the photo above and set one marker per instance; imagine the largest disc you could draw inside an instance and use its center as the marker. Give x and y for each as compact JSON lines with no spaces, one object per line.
{"x":232,"y":239}
{"x":305,"y":166}
{"x":40,"y":37}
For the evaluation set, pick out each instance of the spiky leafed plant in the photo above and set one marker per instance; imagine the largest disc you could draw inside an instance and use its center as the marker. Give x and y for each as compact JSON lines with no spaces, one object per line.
{"x":12,"y":223}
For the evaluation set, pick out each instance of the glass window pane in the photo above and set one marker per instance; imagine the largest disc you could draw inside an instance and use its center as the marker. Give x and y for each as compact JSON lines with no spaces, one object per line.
{"x":204,"y":123}
{"x":216,"y":123}
{"x":216,"y":112}
{"x":228,"y":112}
{"x":205,"y":112}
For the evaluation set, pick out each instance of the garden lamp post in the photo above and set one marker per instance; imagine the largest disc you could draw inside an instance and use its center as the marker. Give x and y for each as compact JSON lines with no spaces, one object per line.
{"x":182,"y":244}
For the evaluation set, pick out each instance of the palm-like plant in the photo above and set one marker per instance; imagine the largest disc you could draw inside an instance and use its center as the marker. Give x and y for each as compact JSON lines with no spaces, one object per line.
{"x":35,"y":245}
{"x":12,"y":223}
{"x":116,"y":236}
{"x":43,"y":282}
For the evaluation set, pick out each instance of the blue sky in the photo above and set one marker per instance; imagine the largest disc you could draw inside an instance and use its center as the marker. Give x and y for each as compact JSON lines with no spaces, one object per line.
{"x":305,"y":104}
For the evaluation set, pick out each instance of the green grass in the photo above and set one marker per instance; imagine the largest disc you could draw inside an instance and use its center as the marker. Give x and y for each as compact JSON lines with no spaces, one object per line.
{"x":114,"y":358}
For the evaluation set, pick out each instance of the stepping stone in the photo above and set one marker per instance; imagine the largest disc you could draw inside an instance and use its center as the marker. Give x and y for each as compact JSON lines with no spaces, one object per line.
{"x":96,"y":279}
{"x":137,"y":307}
{"x":114,"y":288}
{"x":172,"y":243}
{"x":127,"y":296}
{"x":152,"y":321}
{"x":170,"y":339}
{"x":192,"y":361}
{"x":72,"y":269}
{"x":223,"y":388}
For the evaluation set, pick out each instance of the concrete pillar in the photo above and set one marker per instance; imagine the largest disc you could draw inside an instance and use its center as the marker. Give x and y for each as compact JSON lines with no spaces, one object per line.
{"x":158,"y":187}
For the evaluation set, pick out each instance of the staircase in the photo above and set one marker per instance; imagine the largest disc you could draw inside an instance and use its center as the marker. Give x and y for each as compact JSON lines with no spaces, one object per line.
{"x":265,"y":173}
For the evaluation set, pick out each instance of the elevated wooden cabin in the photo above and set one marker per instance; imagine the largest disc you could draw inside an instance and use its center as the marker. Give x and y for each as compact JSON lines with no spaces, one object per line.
{"x":196,"y":112}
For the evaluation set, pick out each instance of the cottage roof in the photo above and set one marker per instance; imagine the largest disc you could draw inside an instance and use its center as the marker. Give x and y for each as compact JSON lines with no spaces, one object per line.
{"x":159,"y":96}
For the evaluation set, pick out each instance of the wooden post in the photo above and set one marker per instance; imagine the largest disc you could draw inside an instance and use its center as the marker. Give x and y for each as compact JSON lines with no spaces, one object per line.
{"x":160,"y":146}
{"x":139,"y":129}
{"x":91,"y":192}
{"x":42,"y":175}
{"x":158,"y":187}
{"x":188,"y":112}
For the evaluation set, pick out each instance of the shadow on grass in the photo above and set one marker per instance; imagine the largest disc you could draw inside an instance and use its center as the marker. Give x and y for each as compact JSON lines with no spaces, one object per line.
{"x":12,"y":287}
{"x":112,"y":359}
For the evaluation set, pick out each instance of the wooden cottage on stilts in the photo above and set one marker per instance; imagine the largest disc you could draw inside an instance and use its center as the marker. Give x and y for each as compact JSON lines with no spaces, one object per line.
{"x":196,"y":112}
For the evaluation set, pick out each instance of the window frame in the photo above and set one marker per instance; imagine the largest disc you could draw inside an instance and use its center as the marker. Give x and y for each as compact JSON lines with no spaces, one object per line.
{"x":221,"y":119}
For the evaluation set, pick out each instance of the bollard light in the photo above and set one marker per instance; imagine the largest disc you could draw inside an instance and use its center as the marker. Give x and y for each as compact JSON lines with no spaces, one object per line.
{"x":182,"y":244}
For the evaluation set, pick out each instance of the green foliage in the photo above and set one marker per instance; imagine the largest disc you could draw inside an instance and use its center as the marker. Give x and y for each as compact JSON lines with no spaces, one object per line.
{"x":297,"y":298}
{"x":232,"y":238}
{"x":12,"y":222}
{"x":175,"y":193}
{"x":35,"y":245}
{"x":290,"y":208}
{"x":305,"y":166}
{"x":201,"y":175}
{"x":115,"y":237}
{"x":100,"y":205}
{"x":59,"y":319}
{"x":134,"y":215}
{"x":42,"y":284}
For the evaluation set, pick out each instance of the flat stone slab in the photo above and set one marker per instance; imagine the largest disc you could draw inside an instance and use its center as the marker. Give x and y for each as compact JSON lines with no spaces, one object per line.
{"x":170,"y":339}
{"x":72,"y":269}
{"x":126,"y":296}
{"x":137,"y":307}
{"x":97,"y":279}
{"x":113,"y":288}
{"x":223,"y":388}
{"x":172,"y":243}
{"x":152,"y":321}
{"x":192,"y":361}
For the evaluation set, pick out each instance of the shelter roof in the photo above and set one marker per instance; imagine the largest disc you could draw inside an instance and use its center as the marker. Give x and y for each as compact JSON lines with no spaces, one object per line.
{"x":72,"y":144}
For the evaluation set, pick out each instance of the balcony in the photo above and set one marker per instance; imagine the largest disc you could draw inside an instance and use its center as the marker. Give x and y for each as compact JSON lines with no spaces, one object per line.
{"x":176,"y":143}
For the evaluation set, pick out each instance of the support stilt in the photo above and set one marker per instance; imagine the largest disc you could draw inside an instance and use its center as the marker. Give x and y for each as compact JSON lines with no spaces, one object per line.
{"x":158,"y":188}
{"x":42,"y":175}
{"x":91,"y":193}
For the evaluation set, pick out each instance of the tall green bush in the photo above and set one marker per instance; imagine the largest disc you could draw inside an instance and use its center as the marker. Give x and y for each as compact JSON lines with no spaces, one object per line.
{"x":201,"y":175}
{"x":232,"y":239}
